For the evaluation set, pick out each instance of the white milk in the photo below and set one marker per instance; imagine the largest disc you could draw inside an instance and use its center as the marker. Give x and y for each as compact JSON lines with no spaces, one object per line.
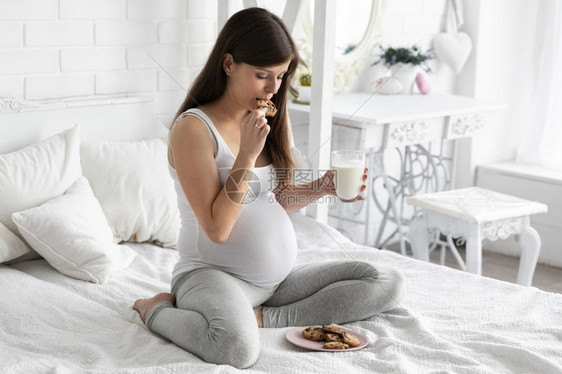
{"x":349,"y":178}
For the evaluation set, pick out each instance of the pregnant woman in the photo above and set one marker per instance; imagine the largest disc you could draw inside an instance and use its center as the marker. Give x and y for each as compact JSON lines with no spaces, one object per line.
{"x":237,"y":246}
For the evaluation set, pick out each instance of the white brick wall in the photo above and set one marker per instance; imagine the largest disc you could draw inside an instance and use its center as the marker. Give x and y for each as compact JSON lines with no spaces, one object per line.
{"x":196,"y":11}
{"x":53,"y":34}
{"x":161,"y":9}
{"x":175,"y":78}
{"x":125,"y":33}
{"x":25,"y":61}
{"x":28,"y":10}
{"x":11,"y":34}
{"x":11,"y":86}
{"x":59,"y":85}
{"x":93,"y":9}
{"x":169,"y":55}
{"x":93,"y":58}
{"x":117,"y":82}
{"x":52,"y":49}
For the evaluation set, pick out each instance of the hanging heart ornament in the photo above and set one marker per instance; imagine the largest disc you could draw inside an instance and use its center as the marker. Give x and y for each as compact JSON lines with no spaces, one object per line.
{"x":453,"y":48}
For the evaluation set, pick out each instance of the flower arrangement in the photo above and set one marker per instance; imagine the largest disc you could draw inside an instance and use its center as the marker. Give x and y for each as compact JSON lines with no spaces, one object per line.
{"x":413,"y":55}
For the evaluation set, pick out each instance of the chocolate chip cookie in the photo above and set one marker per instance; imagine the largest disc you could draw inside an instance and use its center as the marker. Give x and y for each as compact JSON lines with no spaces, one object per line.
{"x":335,"y":345}
{"x":331,"y":337}
{"x":349,"y":338}
{"x":314,"y":333}
{"x":333,"y":329}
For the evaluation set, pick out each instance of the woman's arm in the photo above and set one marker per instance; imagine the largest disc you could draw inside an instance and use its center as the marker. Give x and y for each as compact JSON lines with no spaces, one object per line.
{"x":191,"y":154}
{"x":294,"y":197}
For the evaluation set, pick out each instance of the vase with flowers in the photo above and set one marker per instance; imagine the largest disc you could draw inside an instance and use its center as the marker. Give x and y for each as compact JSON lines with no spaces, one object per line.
{"x":405,"y":64}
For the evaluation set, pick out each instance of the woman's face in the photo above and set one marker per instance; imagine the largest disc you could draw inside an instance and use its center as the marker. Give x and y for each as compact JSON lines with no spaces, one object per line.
{"x":248,"y":83}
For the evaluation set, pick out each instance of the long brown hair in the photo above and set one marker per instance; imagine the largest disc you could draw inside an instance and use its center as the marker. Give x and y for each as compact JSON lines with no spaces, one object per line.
{"x":255,"y":37}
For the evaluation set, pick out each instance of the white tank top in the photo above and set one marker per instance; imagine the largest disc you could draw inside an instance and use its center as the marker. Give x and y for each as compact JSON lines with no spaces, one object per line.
{"x":262,"y":246}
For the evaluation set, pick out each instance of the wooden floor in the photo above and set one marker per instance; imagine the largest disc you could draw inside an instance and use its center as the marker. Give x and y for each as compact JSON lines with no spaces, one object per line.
{"x":505,"y":268}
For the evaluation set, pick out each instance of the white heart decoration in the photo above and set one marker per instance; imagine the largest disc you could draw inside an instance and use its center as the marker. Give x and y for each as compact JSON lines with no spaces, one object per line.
{"x":453,"y":48}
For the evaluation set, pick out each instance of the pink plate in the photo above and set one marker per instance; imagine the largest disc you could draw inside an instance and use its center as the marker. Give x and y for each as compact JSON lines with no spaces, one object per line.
{"x":295,"y":336}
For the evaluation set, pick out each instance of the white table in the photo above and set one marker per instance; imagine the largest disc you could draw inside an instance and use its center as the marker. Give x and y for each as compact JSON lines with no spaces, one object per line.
{"x":476,"y":214}
{"x":408,"y":123}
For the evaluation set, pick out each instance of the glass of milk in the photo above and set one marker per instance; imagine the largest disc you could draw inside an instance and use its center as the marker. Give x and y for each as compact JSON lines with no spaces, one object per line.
{"x":349,"y":167}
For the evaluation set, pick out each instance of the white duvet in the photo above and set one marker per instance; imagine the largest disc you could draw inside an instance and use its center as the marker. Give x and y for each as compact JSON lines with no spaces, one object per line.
{"x":448,"y":321}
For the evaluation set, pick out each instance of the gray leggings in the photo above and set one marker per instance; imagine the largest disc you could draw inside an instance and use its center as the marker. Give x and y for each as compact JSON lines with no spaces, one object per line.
{"x":214,"y":317}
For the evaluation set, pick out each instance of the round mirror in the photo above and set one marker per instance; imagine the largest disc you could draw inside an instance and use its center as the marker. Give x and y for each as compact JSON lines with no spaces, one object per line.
{"x":357,"y":29}
{"x":351,"y":24}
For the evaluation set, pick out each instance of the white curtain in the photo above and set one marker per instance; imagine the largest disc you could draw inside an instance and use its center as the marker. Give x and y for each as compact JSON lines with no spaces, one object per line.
{"x":541,"y":142}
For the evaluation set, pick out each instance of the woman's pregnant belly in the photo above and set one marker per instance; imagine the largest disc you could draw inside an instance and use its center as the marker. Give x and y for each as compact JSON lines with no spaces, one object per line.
{"x":262,"y":246}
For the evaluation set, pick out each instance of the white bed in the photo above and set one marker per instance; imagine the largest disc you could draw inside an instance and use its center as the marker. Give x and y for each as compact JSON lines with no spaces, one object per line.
{"x":447,"y":322}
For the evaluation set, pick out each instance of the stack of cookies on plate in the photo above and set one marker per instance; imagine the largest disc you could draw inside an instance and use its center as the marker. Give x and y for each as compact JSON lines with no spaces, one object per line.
{"x":335,"y":337}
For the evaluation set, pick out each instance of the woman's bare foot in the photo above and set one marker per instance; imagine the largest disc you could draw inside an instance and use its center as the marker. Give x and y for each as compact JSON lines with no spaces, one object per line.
{"x":259,"y":316}
{"x":143,"y":306}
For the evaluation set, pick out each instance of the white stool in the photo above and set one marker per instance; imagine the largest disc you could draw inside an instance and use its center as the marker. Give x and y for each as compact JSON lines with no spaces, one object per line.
{"x":476,"y":214}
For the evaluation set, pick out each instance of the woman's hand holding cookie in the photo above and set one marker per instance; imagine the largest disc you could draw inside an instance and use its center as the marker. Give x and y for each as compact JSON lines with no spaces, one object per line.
{"x":253,"y":133}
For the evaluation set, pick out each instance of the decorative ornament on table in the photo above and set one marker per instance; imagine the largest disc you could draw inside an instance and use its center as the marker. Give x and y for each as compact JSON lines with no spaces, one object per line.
{"x":404,"y":65}
{"x":388,"y":86}
{"x":453,"y":47}
{"x":422,"y":83}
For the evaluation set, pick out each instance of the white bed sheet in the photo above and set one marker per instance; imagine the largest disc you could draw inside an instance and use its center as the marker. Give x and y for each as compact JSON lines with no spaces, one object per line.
{"x":447,"y":322}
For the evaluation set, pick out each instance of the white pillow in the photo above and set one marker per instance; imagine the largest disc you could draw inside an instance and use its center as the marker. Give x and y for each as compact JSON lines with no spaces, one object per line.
{"x":72,"y":234}
{"x":10,"y":245}
{"x":131,"y":181}
{"x":35,"y":174}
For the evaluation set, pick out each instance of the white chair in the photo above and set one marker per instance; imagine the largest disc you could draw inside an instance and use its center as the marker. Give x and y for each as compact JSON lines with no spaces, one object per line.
{"x":476,"y":214}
